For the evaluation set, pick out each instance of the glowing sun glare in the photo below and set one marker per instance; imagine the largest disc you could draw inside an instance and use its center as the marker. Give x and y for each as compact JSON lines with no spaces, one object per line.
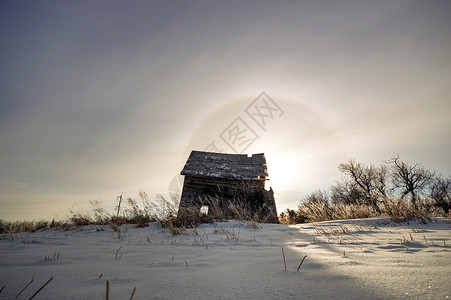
{"x":281,"y":170}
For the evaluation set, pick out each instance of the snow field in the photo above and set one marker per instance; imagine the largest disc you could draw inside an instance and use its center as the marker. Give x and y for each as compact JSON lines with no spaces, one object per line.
{"x":351,"y":259}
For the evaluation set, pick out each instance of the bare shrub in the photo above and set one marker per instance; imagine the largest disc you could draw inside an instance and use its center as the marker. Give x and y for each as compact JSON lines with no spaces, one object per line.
{"x":409,"y":179}
{"x":400,"y":210}
{"x":290,"y":216}
{"x":441,"y":193}
{"x":346,"y":192}
{"x":352,"y":211}
{"x":319,"y":212}
{"x":318,"y":196}
{"x":368,"y":181}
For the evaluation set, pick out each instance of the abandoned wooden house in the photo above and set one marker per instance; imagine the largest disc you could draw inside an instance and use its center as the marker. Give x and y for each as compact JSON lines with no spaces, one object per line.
{"x":219,"y":180}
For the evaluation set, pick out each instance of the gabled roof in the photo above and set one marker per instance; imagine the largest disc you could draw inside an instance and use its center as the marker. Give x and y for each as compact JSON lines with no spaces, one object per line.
{"x":229,"y":166}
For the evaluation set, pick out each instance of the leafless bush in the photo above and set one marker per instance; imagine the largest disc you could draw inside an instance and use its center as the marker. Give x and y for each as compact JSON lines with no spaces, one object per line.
{"x":402,"y":210}
{"x":409,"y":179}
{"x":318,"y":212}
{"x":346,"y":192}
{"x":318,"y":196}
{"x":290,"y":216}
{"x":368,"y":191}
{"x":369,"y":183}
{"x":441,"y":193}
{"x":396,"y":208}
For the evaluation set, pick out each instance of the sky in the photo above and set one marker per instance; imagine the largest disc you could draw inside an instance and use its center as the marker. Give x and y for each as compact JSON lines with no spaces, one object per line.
{"x":99,"y":98}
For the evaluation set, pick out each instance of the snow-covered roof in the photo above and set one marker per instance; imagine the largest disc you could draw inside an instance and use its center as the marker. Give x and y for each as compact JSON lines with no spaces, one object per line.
{"x":228,"y":166}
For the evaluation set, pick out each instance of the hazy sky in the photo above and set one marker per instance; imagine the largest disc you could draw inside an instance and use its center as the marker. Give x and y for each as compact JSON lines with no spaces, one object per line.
{"x":99,"y":98}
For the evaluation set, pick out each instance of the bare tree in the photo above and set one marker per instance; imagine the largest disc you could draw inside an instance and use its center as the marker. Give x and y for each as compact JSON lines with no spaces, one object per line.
{"x":369,"y":180}
{"x":410,"y":179}
{"x":346,"y":192}
{"x":318,"y":196}
{"x":359,"y":173}
{"x":381,"y":181}
{"x":441,"y":192}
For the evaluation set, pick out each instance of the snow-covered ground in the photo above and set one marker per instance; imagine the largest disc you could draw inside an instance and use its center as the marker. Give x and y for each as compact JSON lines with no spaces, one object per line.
{"x":352,"y":259}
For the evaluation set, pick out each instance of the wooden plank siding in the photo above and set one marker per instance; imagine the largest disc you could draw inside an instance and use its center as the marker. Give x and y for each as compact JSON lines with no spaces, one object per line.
{"x":228,"y":178}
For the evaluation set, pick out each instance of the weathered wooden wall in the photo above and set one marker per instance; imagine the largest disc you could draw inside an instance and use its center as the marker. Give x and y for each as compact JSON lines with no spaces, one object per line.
{"x":195,"y":186}
{"x":226,"y":178}
{"x":250,"y":193}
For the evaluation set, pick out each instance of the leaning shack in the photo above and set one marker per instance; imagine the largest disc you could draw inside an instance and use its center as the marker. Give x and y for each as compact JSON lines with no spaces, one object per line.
{"x":222,"y":179}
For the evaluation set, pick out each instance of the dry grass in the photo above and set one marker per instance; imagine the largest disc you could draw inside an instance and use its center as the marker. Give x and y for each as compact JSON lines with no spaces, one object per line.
{"x":32,"y":226}
{"x":340,"y":230}
{"x":319,"y":212}
{"x":165,"y":212}
{"x":253,"y":225}
{"x":177,"y":230}
{"x":218,"y":212}
{"x":230,"y":234}
{"x":399,"y":210}
{"x":118,"y":256}
{"x":129,"y":212}
{"x":56,"y":256}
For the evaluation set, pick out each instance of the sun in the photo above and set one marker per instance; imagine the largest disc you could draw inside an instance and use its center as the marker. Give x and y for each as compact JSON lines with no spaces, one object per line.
{"x":282,"y":169}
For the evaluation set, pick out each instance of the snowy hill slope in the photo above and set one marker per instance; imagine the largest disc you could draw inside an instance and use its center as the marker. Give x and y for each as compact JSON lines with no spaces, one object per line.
{"x":351,"y":259}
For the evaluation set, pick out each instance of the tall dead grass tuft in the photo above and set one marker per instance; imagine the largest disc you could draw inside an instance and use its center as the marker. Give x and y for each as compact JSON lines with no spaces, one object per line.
{"x":401,"y":210}
{"x":128,"y":212}
{"x":398,"y":209}
{"x":214,"y":209}
{"x":32,"y":226}
{"x":177,"y":230}
{"x":318,"y":212}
